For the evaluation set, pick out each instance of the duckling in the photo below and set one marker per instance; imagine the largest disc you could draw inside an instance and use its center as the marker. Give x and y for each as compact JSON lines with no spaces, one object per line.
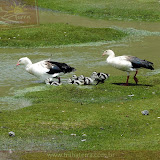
{"x":74,"y":77}
{"x":78,"y":82}
{"x":88,"y":81}
{"x":99,"y":77}
{"x":54,"y":83}
{"x":103,"y":76}
{"x":48,"y":81}
{"x":70,"y":81}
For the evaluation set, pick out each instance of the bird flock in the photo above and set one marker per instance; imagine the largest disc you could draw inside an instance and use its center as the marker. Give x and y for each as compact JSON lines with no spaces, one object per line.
{"x":46,"y":70}
{"x":94,"y":79}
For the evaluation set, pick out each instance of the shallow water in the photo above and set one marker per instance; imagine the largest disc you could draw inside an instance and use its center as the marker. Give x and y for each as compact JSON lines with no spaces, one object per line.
{"x":57,"y":17}
{"x":86,"y":58}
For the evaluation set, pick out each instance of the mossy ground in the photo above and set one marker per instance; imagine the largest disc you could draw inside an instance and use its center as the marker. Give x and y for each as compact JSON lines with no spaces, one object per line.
{"x":49,"y":35}
{"x":139,"y":10}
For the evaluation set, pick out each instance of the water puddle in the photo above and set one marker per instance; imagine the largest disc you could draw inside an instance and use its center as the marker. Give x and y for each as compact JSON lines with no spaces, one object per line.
{"x":58,"y":17}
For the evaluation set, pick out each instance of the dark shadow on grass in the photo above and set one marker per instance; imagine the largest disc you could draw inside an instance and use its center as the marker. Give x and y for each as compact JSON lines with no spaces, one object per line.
{"x":132,"y":84}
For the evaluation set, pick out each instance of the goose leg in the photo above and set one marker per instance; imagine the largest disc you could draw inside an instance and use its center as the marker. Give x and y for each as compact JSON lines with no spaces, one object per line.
{"x":126,"y":84}
{"x":135,"y":78}
{"x":127,"y":79}
{"x":59,"y":79}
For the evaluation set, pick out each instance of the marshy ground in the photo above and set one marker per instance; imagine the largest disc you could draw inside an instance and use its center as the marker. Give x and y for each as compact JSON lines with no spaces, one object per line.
{"x":106,"y":119}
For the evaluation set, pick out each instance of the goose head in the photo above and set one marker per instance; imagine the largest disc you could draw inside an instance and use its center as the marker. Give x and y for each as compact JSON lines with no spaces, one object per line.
{"x":24,"y":61}
{"x":108,"y":52}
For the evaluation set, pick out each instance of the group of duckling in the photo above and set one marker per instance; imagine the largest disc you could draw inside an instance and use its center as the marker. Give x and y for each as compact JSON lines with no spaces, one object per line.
{"x":94,"y":79}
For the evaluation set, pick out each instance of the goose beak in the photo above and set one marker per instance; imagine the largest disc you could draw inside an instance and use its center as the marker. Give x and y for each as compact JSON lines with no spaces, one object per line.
{"x":17,"y":64}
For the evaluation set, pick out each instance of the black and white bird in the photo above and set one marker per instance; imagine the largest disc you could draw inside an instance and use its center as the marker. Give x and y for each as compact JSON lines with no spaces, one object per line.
{"x":85,"y":80}
{"x":80,"y":80}
{"x":46,"y":68}
{"x":88,"y":81}
{"x":54,"y":83}
{"x":99,"y":77}
{"x":49,"y":81}
{"x":70,"y":81}
{"x":74,"y":77}
{"x":127,"y":63}
{"x":76,"y":80}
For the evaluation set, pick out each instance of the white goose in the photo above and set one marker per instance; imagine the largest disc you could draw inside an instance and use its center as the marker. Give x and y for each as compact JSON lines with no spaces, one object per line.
{"x":127,"y":63}
{"x":46,"y":68}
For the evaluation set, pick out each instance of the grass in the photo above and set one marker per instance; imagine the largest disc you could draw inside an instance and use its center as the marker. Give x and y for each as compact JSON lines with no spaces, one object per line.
{"x":137,"y":10}
{"x":105,"y":115}
{"x":56,"y":34}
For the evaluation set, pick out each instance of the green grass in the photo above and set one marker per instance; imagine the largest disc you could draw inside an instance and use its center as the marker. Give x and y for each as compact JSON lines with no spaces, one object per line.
{"x":138,"y":10}
{"x":110,"y":118}
{"x":56,"y":34}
